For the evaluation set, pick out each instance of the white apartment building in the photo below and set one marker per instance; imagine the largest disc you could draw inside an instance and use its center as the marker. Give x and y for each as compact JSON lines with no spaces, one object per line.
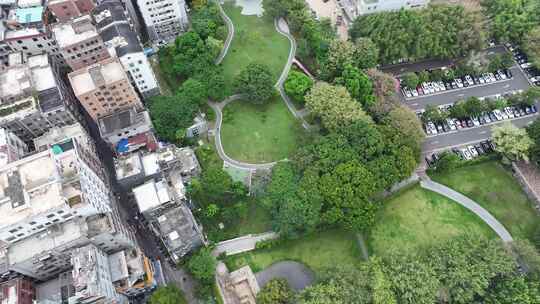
{"x":164,"y":19}
{"x":123,"y":42}
{"x":51,"y":187}
{"x":12,"y":147}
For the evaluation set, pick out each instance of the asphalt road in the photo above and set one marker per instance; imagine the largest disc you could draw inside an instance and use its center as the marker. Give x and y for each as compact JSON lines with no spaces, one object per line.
{"x":399,"y":69}
{"x":517,"y":82}
{"x":468,"y":136}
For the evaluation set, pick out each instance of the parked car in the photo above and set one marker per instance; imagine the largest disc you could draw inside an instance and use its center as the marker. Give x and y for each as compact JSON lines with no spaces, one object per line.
{"x":466,"y":153}
{"x":479,"y":149}
{"x":475,"y":121}
{"x":508,"y":73}
{"x":473,"y":151}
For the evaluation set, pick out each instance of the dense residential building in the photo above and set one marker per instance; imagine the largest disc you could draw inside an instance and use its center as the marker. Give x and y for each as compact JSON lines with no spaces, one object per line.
{"x":17,"y":291}
{"x":12,"y":147}
{"x":132,"y":273}
{"x":136,"y":168}
{"x":79,"y":42}
{"x":355,"y":8}
{"x":64,"y":10}
{"x":162,"y":201}
{"x":164,"y":19}
{"x":92,"y":277}
{"x":127,"y":131}
{"x":34,"y":98}
{"x":237,"y":287}
{"x":104,"y":89}
{"x":51,"y":187}
{"x":123,"y":43}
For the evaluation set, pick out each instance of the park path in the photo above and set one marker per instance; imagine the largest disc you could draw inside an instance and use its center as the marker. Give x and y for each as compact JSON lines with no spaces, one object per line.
{"x":282,"y":28}
{"x":230,"y":33}
{"x":469,"y":204}
{"x":242,"y":244}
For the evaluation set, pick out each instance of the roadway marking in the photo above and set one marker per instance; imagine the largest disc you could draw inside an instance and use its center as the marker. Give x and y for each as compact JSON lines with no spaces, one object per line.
{"x":482,"y":132}
{"x":414,"y":104}
{"x":460,"y":95}
{"x":507,"y":86}
{"x":435,"y":142}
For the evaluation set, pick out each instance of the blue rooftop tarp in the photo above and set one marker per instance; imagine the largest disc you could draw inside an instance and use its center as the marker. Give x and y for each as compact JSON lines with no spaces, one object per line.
{"x":122,"y":146}
{"x":29,"y":15}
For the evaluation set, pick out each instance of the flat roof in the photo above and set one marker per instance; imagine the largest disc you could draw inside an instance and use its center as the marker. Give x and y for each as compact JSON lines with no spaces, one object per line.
{"x":83,"y":81}
{"x":150,"y":164}
{"x":150,"y":195}
{"x":128,"y":165}
{"x":75,"y":31}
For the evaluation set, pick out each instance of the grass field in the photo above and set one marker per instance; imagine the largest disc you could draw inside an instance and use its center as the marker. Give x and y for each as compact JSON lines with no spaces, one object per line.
{"x":257,"y":221}
{"x":317,"y":251}
{"x":255,"y":40}
{"x":415,"y":218}
{"x":495,"y":189}
{"x":259,"y":133}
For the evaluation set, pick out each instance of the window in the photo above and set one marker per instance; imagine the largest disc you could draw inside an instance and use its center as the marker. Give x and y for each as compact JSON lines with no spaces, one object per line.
{"x":50,"y":215}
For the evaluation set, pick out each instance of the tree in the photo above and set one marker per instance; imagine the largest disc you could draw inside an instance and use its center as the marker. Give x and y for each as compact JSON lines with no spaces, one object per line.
{"x":169,"y":294}
{"x":214,"y":45}
{"x":512,"y":142}
{"x":474,"y":107}
{"x":358,"y":85}
{"x":434,"y":114}
{"x":533,"y":130}
{"x":423,"y":76}
{"x":412,"y":280}
{"x":459,"y":110}
{"x":510,"y":21}
{"x":297,"y":85}
{"x":214,"y":82}
{"x":334,"y":106}
{"x":189,"y":55}
{"x":276,"y":291}
{"x":514,"y":289}
{"x":340,"y":54}
{"x":384,"y":88}
{"x":202,"y":265}
{"x":206,"y":21}
{"x":406,"y":123}
{"x":531,"y":96}
{"x":447,"y":162}
{"x":170,"y":114}
{"x":194,"y":91}
{"x":256,"y":82}
{"x":367,"y":53}
{"x":531,"y":45}
{"x":410,"y":80}
{"x":215,"y":186}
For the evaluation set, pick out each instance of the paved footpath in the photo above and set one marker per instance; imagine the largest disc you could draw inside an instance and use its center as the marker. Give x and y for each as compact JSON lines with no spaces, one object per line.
{"x":242,"y":244}
{"x":471,"y":205}
{"x":230,"y":34}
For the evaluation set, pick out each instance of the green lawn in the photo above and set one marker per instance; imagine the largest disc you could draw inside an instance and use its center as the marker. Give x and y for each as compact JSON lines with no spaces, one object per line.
{"x":416,"y":218}
{"x":257,"y":221}
{"x":319,"y":250}
{"x":495,"y":189}
{"x":259,"y":133}
{"x":255,"y":40}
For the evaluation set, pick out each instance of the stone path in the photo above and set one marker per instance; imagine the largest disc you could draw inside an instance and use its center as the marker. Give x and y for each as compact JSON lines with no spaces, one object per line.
{"x":297,"y":274}
{"x":469,"y":204}
{"x":230,"y":34}
{"x":242,"y":244}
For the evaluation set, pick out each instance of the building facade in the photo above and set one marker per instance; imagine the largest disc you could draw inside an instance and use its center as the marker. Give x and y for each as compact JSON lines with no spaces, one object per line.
{"x":79,"y":42}
{"x":123,"y":42}
{"x":104,"y":89}
{"x":355,"y":8}
{"x":164,"y":19}
{"x":34,"y":98}
{"x":12,"y":147}
{"x":17,"y":291}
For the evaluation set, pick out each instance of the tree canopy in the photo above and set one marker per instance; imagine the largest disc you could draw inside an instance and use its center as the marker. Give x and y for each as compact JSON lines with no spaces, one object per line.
{"x":256,"y":82}
{"x":438,"y":31}
{"x":169,"y":294}
{"x":276,"y":291}
{"x":297,"y":85}
{"x":511,"y":141}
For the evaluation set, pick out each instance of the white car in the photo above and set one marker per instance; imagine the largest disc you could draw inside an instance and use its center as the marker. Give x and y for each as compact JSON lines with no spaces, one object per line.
{"x":502,"y":74}
{"x":406,"y":92}
{"x":498,"y":114}
{"x":469,"y":79}
{"x":459,"y":83}
{"x":475,"y":121}
{"x":414,"y":92}
{"x":451,"y":124}
{"x":441,"y":85}
{"x":432,"y":127}
{"x":486,"y":118}
{"x":504,"y":114}
{"x":526,"y":65}
{"x":435,"y":86}
{"x":509,"y":112}
{"x":473,"y":151}
{"x":535,"y":79}
{"x":481,"y":79}
{"x":493,"y":79}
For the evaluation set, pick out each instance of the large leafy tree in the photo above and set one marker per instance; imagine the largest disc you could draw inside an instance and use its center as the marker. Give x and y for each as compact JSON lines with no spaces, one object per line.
{"x":189,"y":55}
{"x":358,"y":84}
{"x":531,"y":45}
{"x":512,"y":142}
{"x":367,"y":53}
{"x":215,"y":186}
{"x":276,"y":291}
{"x":334,"y":106}
{"x":256,"y":82}
{"x":533,"y":130}
{"x":405,"y":123}
{"x":169,"y":294}
{"x":203,"y":265}
{"x":172,"y":115}
{"x":297,"y":85}
{"x":510,"y":21}
{"x":207,"y":22}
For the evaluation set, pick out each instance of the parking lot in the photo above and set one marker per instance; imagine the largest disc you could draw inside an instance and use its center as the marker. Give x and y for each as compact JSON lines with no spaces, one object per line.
{"x":468,"y":136}
{"x":518,"y":82}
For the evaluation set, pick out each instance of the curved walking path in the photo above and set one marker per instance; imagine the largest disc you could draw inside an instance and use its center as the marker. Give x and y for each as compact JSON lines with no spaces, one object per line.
{"x":298,"y":275}
{"x":242,"y":244}
{"x":230,"y":34}
{"x":469,"y":204}
{"x":282,"y":28}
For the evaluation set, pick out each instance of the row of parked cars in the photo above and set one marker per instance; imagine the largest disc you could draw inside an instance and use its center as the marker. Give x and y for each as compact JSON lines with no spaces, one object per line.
{"x":452,"y":124}
{"x":431,"y":87}
{"x":465,"y":153}
{"x":523,"y":61}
